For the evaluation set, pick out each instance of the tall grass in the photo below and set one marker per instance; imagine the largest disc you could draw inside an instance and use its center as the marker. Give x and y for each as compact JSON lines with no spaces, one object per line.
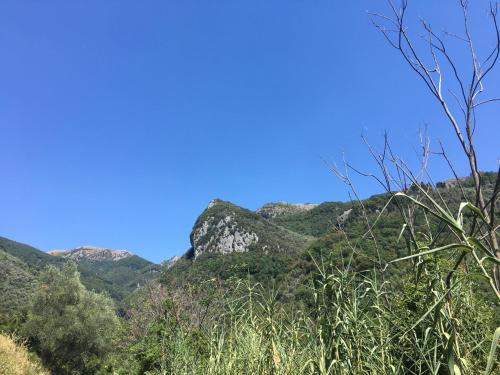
{"x":16,"y":360}
{"x":355,"y":327}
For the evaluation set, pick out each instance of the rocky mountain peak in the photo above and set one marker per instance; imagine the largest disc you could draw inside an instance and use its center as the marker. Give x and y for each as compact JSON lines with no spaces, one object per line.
{"x":92,"y":253}
{"x":227,"y":228}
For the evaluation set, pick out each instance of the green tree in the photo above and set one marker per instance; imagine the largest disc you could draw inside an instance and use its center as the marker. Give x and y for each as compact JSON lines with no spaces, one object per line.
{"x":70,"y":327}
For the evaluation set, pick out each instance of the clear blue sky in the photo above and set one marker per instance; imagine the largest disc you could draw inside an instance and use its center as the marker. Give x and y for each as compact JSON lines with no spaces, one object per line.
{"x":120,"y":120}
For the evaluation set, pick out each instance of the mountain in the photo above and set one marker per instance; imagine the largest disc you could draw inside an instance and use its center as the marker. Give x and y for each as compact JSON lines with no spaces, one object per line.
{"x":225,"y":228}
{"x":281,"y":244}
{"x":316,"y":221}
{"x":116,"y":272}
{"x":270,"y":245}
{"x":117,"y":276}
{"x":92,"y":254}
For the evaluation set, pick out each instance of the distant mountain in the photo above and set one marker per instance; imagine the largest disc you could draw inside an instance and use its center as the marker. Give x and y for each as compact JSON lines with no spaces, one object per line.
{"x":116,"y":272}
{"x":119,"y":277}
{"x":92,"y":254}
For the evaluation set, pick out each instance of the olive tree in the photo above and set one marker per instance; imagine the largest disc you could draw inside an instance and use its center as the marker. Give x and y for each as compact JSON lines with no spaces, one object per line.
{"x":70,"y":327}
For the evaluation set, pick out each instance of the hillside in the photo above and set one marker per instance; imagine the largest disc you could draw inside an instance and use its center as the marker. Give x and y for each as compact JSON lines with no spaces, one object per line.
{"x":116,"y":272}
{"x":16,"y":283}
{"x":28,"y":254}
{"x":316,"y":221}
{"x":274,"y":209}
{"x":120,"y":277}
{"x":280,"y":243}
{"x":231,"y":241}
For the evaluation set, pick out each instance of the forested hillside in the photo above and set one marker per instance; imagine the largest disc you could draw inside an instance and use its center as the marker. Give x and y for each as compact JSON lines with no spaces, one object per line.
{"x":330,"y":232}
{"x":22,"y":262}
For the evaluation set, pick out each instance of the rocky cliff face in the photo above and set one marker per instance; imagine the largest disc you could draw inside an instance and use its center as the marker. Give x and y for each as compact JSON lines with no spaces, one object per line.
{"x":226,"y":228}
{"x":169,"y":263}
{"x":91,"y":253}
{"x":342,"y":219}
{"x":222,"y":235}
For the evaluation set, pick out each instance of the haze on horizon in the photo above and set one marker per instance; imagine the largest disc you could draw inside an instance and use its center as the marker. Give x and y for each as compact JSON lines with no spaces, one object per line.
{"x":121,"y":121}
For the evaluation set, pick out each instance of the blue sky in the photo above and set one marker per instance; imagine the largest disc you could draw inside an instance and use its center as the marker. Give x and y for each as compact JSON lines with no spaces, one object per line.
{"x":120,"y":120}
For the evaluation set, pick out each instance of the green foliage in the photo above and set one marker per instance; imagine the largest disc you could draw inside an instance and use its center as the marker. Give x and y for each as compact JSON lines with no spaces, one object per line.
{"x":16,"y":283}
{"x":421,"y":315}
{"x":457,"y":330}
{"x":71,"y":328}
{"x":117,"y":278}
{"x":267,"y":269}
{"x":315,"y":222}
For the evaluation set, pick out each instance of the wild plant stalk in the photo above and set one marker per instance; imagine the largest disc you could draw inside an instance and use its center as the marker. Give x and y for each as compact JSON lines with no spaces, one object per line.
{"x":432,"y":70}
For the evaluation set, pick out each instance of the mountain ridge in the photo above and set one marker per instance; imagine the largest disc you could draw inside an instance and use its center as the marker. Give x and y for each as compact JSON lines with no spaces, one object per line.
{"x":273,"y":209}
{"x":92,"y":253}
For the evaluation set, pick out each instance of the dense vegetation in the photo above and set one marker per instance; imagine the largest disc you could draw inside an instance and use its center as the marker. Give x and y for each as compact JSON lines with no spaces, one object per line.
{"x":118,"y":278}
{"x":316,"y":222}
{"x":16,"y":283}
{"x":31,"y":256}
